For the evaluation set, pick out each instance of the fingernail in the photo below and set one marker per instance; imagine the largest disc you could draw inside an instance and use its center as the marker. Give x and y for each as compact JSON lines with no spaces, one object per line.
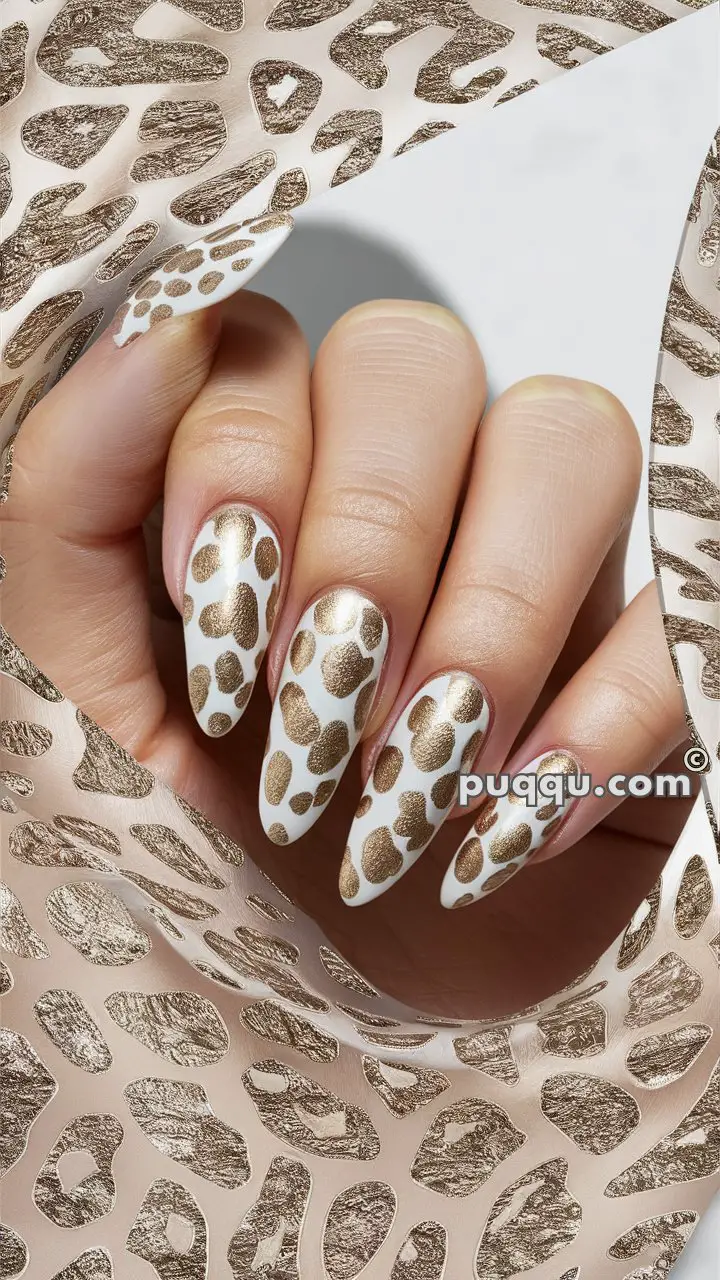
{"x":507,"y":831}
{"x":414,"y":784}
{"x":204,"y":272}
{"x":324,"y":697}
{"x":231,"y":592}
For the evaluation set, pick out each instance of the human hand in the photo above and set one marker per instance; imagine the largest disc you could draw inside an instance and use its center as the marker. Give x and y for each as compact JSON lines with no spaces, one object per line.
{"x":418,"y":558}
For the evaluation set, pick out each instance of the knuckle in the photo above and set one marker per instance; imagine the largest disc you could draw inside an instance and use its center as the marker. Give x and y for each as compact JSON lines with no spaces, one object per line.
{"x":505,"y":605}
{"x":639,"y":698}
{"x":386,"y":510}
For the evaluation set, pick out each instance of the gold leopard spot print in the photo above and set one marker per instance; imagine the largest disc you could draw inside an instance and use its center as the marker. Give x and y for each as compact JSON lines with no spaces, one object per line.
{"x":199,"y":686}
{"x":344,"y":668}
{"x":381,"y":858}
{"x":277,"y":777}
{"x":302,"y":651}
{"x":412,"y":821}
{"x":299,"y":720}
{"x":330,"y":748}
{"x":511,"y":844}
{"x":387,"y":769}
{"x":469,"y":861}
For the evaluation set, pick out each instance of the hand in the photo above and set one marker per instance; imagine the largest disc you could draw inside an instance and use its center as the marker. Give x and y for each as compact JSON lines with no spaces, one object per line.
{"x":436,"y":598}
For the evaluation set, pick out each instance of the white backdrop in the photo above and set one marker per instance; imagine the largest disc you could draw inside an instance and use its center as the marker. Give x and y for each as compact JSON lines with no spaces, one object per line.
{"x":551,"y":226}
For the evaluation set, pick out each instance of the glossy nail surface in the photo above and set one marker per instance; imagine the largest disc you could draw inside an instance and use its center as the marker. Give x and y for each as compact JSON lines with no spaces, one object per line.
{"x":507,"y":831}
{"x":414,"y":783}
{"x":323,"y":701}
{"x":204,"y":272}
{"x":231,"y":593}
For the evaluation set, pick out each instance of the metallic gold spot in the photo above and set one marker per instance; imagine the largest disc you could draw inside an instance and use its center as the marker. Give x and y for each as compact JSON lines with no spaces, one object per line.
{"x":150,"y":289}
{"x":387,"y":769}
{"x":469,"y":861}
{"x":228,"y":672}
{"x":190,"y":260}
{"x":336,"y":612}
{"x":511,"y":844}
{"x":500,"y":878}
{"x":199,"y":687}
{"x":380,"y":858}
{"x":219,"y":723}
{"x":464,"y":700}
{"x":330,"y":748}
{"x":422,"y":714}
{"x":364,"y":806}
{"x":412,"y":821}
{"x":277,"y":777}
{"x":206,"y":562}
{"x":445,"y":790}
{"x":363,"y":703}
{"x":558,"y":762}
{"x":141,"y":309}
{"x":302,"y":651}
{"x":242,"y":697}
{"x":301,"y":802}
{"x":266,"y":558}
{"x":487,"y":817}
{"x":210,"y":281}
{"x":433,"y":739}
{"x":301,"y":724}
{"x":188,"y":609}
{"x":227,"y":250}
{"x":324,"y":792}
{"x":271,"y":606}
{"x":163,"y":312}
{"x":344,"y":668}
{"x":278,"y":834}
{"x":548,"y":811}
{"x":176,"y":288}
{"x":463,"y":901}
{"x":237,"y":613}
{"x":470,"y":750}
{"x":371,"y":627}
{"x":349,"y":878}
{"x":236,"y":529}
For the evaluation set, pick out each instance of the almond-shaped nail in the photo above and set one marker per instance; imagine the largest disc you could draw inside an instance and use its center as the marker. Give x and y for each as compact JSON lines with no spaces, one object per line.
{"x":204,"y":272}
{"x":323,"y":701}
{"x":508,"y":830}
{"x":414,"y":783}
{"x":231,"y":592}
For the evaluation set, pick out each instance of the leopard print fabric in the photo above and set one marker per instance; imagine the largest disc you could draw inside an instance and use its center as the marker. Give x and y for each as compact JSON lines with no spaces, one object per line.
{"x":685,"y":473}
{"x":194,"y":1083}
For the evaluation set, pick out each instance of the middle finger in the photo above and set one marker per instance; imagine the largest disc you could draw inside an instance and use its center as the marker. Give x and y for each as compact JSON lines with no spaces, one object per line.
{"x":397,"y":393}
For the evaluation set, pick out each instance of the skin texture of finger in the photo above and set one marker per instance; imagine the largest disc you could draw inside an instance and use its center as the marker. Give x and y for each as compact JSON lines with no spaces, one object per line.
{"x":540,"y":485}
{"x":83,"y":482}
{"x":621,"y":713}
{"x":397,"y":393}
{"x":236,"y":481}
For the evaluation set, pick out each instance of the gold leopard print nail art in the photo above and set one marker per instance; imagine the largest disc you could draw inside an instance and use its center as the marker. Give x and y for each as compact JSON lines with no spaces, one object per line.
{"x":231,"y":592}
{"x":508,"y":829}
{"x":414,"y":783}
{"x":323,"y":702}
{"x":201,"y":273}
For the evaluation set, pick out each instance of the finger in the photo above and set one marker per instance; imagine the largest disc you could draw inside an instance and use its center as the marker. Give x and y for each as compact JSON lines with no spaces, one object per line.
{"x":621,"y":713}
{"x":398,"y":389}
{"x":554,"y":479}
{"x":89,"y":468}
{"x":236,"y":481}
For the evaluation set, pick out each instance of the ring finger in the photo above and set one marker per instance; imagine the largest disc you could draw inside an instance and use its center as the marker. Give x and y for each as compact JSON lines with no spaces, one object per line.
{"x":554,"y":482}
{"x":397,"y":393}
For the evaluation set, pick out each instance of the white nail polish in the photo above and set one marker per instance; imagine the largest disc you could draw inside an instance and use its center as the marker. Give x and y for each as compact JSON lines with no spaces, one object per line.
{"x":508,"y":830}
{"x":323,"y":701}
{"x":204,"y":272}
{"x":231,"y":592}
{"x":414,"y":783}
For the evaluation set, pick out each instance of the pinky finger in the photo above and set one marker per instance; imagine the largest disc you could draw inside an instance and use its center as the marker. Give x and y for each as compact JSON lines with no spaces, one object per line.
{"x":621,"y":715}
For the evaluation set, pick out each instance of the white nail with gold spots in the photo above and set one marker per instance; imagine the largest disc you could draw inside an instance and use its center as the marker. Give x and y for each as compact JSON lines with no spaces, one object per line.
{"x":508,"y":830}
{"x":202,"y":273}
{"x":231,"y":591}
{"x":321,"y":708}
{"x":414,"y":784}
